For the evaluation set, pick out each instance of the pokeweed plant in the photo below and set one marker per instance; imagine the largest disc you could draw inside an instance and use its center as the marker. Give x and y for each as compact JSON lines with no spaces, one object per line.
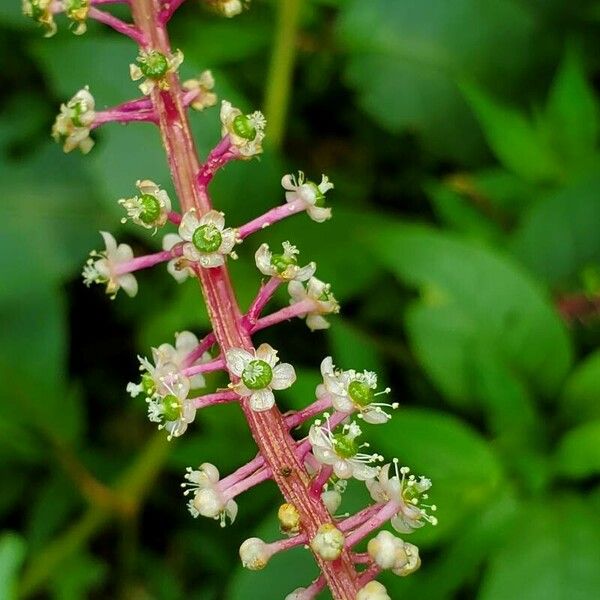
{"x":312,"y":472}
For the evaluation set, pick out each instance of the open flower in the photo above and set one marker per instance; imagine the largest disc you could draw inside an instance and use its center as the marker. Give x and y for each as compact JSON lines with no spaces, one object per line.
{"x":319,"y":296}
{"x":208,"y":499}
{"x":207,"y":239}
{"x":41,"y":11}
{"x":178,"y":267}
{"x":408,"y":492}
{"x":283,"y":266}
{"x":150,"y":209}
{"x":203,"y":86}
{"x":154,"y":66}
{"x":353,"y":391}
{"x":72,"y":125}
{"x":246,"y":132}
{"x":107,"y":267}
{"x":259,"y":375}
{"x":77,"y":11}
{"x":342,"y":452}
{"x":311,"y":195}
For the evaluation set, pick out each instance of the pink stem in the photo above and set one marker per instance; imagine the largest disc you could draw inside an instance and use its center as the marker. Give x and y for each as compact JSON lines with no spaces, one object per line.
{"x":369,"y":574}
{"x":245,"y":484}
{"x":287,"y":543}
{"x":314,"y":589}
{"x":310,"y":411}
{"x":129,"y":30}
{"x":219,"y":156}
{"x":359,"y":518}
{"x":320,"y":480}
{"x":174,"y":217}
{"x":362,"y":558}
{"x":199,"y":350}
{"x":275,"y":214}
{"x":300,"y":309}
{"x":133,"y":105}
{"x":150,"y":260}
{"x":115,"y":116}
{"x":99,"y":2}
{"x":214,"y":365}
{"x":169,"y":10}
{"x":243,"y":472}
{"x":377,"y":520}
{"x":213,"y":399}
{"x":264,"y":295}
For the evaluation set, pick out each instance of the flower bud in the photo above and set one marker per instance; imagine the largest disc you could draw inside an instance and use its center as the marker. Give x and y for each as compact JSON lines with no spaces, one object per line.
{"x":208,"y":503}
{"x":289,"y":519}
{"x":332,"y":500}
{"x":373,"y":591}
{"x":328,"y":542}
{"x":412,"y":561}
{"x":254,"y":554}
{"x":383,"y":549}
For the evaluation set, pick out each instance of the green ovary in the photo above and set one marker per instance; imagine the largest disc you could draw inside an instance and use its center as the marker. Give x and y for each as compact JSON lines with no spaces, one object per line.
{"x":257,"y":375}
{"x":207,"y":238}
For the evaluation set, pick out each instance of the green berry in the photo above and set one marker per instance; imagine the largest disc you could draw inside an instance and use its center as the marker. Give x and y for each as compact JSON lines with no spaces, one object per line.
{"x":280,"y":262}
{"x":257,"y":375}
{"x":171,"y":408}
{"x":150,"y":209}
{"x":243,"y":127}
{"x":319,"y":195}
{"x":360,"y":393}
{"x":154,"y":65}
{"x":344,"y":446}
{"x":207,"y":238}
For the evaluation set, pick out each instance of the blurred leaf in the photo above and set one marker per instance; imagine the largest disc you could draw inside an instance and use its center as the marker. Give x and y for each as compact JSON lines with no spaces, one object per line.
{"x":12,"y":553}
{"x":77,"y":577}
{"x":558,"y":235}
{"x":353,"y":348}
{"x":578,"y":453}
{"x":471,"y":298}
{"x":581,"y":394}
{"x":551,"y":554}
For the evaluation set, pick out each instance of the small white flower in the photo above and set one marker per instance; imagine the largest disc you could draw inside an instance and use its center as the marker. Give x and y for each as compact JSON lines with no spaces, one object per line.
{"x":283,"y":266}
{"x":373,"y":591}
{"x":390,"y":552}
{"x":72,"y":125}
{"x":308,"y":193}
{"x":353,"y":391}
{"x":208,"y":242}
{"x":259,"y":375}
{"x":106,"y":267}
{"x":77,"y":11}
{"x":178,"y":267}
{"x":408,"y":493}
{"x":254,"y":554}
{"x":246,"y":132}
{"x":150,"y":209}
{"x":341,"y":451}
{"x":208,"y":499}
{"x":202,"y":86}
{"x":328,"y":542}
{"x":154,"y":66}
{"x":323,"y":301}
{"x":41,"y":11}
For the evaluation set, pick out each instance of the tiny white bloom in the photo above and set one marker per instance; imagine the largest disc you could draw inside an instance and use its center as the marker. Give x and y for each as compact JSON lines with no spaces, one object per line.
{"x":390,"y":552}
{"x":150,"y":209}
{"x":311,"y":195}
{"x":246,"y":132}
{"x":255,"y":554}
{"x":373,"y":591}
{"x":41,"y":11}
{"x":328,"y":542}
{"x":178,"y":267}
{"x":154,"y":66}
{"x":408,"y":492}
{"x":77,"y":11}
{"x":72,"y":125}
{"x":353,"y":391}
{"x":283,"y":266}
{"x":207,"y":239}
{"x":202,"y":86}
{"x":107,"y":267}
{"x":341,"y":451}
{"x":208,"y":500}
{"x":259,"y":375}
{"x":323,"y":301}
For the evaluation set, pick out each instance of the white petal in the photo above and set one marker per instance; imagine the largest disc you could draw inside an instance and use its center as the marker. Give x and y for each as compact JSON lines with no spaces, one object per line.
{"x":109,"y":242}
{"x":228,"y":240}
{"x":262,"y":400}
{"x":185,"y":341}
{"x":124,"y":253}
{"x":189,"y":224}
{"x":305,"y":273}
{"x":324,"y":455}
{"x":267,"y":353}
{"x":319,"y":213}
{"x":316,"y":322}
{"x":363,"y":472}
{"x":180,"y":275}
{"x":287,"y":183}
{"x":148,"y":187}
{"x":191,"y":252}
{"x":297,"y":291}
{"x":283,"y":376}
{"x":213,"y":217}
{"x":342,"y":403}
{"x":343,"y":469}
{"x":375,"y":417}
{"x":197,"y":381}
{"x":170,"y":240}
{"x":263,"y":260}
{"x":210,"y":261}
{"x":129,"y":284}
{"x":237,"y":359}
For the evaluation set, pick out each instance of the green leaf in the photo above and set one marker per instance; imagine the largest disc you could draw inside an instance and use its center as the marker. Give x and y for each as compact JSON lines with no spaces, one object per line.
{"x":12,"y":553}
{"x":582,"y":391}
{"x":78,"y":577}
{"x":551,"y":554}
{"x":515,"y":140}
{"x":473,"y":298}
{"x":353,"y":349}
{"x":578,"y":453}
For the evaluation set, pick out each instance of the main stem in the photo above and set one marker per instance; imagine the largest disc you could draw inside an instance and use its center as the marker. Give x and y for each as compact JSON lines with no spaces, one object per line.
{"x":268,"y":428}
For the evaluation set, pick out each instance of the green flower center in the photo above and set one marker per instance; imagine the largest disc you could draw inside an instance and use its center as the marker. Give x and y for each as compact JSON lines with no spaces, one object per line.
{"x":207,"y":238}
{"x":280,"y":262}
{"x":360,"y":393}
{"x":257,"y":375}
{"x":243,"y":127}
{"x":75,"y":5}
{"x":319,"y":195}
{"x":76,"y":111}
{"x":325,"y":296}
{"x":148,"y":384}
{"x":150,"y":208}
{"x":154,"y":65}
{"x":344,"y":446}
{"x":171,"y":408}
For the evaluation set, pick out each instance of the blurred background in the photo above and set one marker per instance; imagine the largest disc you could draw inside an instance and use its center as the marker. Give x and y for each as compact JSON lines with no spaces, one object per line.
{"x":462,"y":138}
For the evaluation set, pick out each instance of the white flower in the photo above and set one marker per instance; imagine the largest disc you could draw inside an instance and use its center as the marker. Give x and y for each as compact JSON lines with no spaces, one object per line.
{"x":390,"y":552}
{"x":172,"y":410}
{"x":208,"y":499}
{"x":154,"y":66}
{"x":254,"y":554}
{"x":283,"y":266}
{"x":353,"y":391}
{"x":178,"y":267}
{"x":341,"y":451}
{"x":323,"y":301}
{"x":41,"y":11}
{"x":259,"y":375}
{"x":106,"y":267}
{"x":311,"y":195}
{"x":328,"y":542}
{"x":207,"y":239}
{"x":373,"y":591}
{"x":150,"y":209}
{"x":408,"y":493}
{"x":202,"y":86}
{"x":77,"y":11}
{"x":246,"y":132}
{"x":72,"y":125}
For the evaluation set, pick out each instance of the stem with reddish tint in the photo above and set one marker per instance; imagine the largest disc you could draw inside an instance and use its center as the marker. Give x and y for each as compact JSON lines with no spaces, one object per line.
{"x":268,"y":428}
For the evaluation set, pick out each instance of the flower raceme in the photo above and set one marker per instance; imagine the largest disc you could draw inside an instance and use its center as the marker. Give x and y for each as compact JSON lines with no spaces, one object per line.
{"x":314,"y":471}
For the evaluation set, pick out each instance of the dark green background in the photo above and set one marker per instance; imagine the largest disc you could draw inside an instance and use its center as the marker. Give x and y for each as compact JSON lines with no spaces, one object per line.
{"x":462,"y":137}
